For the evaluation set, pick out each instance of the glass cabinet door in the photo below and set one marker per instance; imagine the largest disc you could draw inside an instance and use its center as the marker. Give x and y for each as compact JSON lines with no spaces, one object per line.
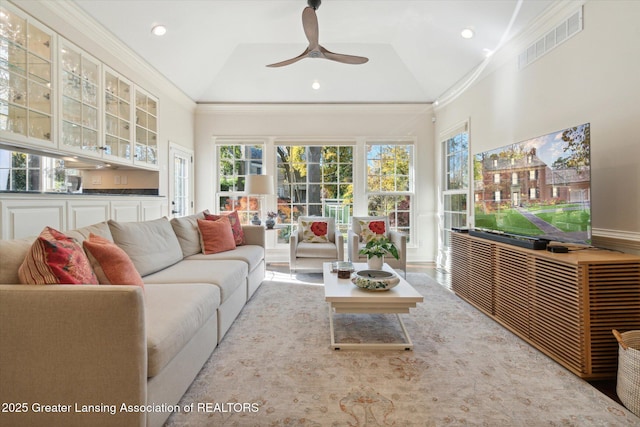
{"x":146,"y":129}
{"x":25,"y":77}
{"x":117,"y":116}
{"x":79,"y":85}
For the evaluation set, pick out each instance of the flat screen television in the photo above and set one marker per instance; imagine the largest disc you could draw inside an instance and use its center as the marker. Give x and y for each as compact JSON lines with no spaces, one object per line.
{"x":537,"y":188}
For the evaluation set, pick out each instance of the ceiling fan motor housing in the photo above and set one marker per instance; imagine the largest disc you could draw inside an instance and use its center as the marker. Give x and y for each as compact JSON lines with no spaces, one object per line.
{"x":314,"y":4}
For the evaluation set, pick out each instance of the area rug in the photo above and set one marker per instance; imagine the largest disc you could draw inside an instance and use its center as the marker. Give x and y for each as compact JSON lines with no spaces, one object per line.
{"x":275,"y":368}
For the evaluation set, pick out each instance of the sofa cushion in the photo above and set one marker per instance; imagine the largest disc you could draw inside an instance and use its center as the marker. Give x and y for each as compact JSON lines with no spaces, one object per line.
{"x":226,"y":275}
{"x":251,"y":254}
{"x":151,"y":245}
{"x":81,"y":234}
{"x":110,"y":263}
{"x":236,"y":226}
{"x":173,"y":315}
{"x":12,"y":254}
{"x":55,"y":259}
{"x":186,"y":229}
{"x":216,"y":236}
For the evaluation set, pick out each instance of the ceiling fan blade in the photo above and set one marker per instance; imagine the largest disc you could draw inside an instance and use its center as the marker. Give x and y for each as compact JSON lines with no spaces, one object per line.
{"x":310,"y":25}
{"x":290,"y":61}
{"x":346,"y":59}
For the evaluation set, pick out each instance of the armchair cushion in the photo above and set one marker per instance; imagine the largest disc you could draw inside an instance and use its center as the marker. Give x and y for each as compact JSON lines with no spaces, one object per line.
{"x":372,"y":229}
{"x":314,"y":231}
{"x":316,"y":250}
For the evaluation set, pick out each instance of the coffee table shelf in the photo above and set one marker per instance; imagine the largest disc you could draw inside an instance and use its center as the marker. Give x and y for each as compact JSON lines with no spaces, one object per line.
{"x":344,"y":297}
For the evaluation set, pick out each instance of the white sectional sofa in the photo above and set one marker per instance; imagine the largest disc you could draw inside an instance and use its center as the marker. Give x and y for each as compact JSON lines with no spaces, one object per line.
{"x":125,"y":353}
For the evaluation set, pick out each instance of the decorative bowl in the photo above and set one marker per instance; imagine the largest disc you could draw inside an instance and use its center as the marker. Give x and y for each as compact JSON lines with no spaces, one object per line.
{"x":375,"y":280}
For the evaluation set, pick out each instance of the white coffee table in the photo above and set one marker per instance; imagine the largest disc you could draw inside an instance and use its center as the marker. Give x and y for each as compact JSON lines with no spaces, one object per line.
{"x":345,"y":297}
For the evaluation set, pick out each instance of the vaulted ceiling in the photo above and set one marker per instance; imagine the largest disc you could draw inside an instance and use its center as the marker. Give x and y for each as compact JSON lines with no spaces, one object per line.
{"x":217,"y":50}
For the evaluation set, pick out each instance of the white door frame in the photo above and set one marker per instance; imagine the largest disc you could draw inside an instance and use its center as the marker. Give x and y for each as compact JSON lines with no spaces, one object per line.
{"x":177,"y":150}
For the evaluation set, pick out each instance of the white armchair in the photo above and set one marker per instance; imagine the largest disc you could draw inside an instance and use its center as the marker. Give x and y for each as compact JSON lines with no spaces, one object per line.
{"x":355,"y":242}
{"x":307,"y":255}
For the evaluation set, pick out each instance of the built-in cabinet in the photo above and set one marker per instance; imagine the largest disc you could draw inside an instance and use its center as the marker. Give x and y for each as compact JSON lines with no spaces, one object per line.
{"x":26,"y":79}
{"x":55,"y":95}
{"x":564,"y":304}
{"x":26,"y":215}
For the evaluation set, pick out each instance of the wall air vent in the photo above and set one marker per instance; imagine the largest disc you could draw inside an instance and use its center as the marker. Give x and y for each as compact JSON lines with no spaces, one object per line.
{"x":558,"y":35}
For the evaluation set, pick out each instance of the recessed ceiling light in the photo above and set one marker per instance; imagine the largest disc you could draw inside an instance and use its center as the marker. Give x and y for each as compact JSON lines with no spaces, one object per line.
{"x":159,"y":30}
{"x":315,"y":85}
{"x":467,"y":33}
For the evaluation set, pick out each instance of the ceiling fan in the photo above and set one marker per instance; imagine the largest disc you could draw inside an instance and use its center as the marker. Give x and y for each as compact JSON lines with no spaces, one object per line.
{"x":315,"y":50}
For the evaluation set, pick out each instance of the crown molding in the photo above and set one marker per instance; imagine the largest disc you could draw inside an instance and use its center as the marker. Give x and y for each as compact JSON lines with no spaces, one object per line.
{"x":559,"y":10}
{"x":417,"y":108}
{"x":71,"y":15}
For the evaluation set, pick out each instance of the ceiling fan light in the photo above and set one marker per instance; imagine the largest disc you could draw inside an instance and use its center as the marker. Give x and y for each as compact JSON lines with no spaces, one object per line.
{"x":159,"y":30}
{"x":467,"y":33}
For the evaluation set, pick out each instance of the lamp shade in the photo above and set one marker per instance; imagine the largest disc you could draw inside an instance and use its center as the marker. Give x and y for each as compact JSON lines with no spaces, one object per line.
{"x":259,"y":184}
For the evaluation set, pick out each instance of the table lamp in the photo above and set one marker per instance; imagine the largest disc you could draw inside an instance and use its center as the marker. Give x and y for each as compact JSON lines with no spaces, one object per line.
{"x":259,"y":185}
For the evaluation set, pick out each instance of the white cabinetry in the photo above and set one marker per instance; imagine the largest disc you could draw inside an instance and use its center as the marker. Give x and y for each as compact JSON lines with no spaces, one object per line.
{"x":24,"y":215}
{"x":26,"y":79}
{"x":70,"y":102}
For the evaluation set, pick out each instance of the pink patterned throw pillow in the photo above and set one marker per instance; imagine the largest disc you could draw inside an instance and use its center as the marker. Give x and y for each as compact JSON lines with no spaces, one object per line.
{"x":236,"y":226}
{"x":56,"y":259}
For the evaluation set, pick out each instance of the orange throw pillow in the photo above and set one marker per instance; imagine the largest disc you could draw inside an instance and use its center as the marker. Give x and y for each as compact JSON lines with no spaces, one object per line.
{"x":111,"y":264}
{"x":56,"y":259}
{"x":236,"y":227}
{"x":216,"y":236}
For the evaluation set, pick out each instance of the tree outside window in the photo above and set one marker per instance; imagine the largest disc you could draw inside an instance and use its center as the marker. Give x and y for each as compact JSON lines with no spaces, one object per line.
{"x":390,"y":184}
{"x":235,"y":163}
{"x":314,"y":180}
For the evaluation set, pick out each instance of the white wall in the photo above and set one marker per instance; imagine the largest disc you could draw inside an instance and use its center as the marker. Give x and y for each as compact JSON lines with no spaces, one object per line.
{"x":325,"y":122}
{"x":593,"y":77}
{"x":176,"y":110}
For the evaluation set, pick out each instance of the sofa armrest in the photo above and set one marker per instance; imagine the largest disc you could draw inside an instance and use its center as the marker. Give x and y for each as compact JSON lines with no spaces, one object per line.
{"x":73,"y":344}
{"x":254,"y":235}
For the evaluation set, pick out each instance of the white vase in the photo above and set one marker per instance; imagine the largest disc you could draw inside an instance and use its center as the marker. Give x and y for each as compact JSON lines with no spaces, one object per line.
{"x":375,"y":262}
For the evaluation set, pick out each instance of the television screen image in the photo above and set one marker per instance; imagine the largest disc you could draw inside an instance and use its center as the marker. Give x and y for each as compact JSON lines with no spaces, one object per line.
{"x":537,"y":188}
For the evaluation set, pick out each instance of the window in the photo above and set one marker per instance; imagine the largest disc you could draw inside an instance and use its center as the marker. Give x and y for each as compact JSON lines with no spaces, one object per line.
{"x":314,"y":180}
{"x":496,"y":196}
{"x":532,"y":175}
{"x":456,"y":184}
{"x":21,"y":171}
{"x":514,"y":178}
{"x":496,"y":178}
{"x":235,"y":162}
{"x":532,"y":193}
{"x":390,"y":184}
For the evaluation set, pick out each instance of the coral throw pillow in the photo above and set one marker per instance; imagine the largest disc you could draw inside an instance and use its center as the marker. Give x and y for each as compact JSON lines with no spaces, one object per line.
{"x":371,"y":230}
{"x":216,"y":236}
{"x":56,"y":259}
{"x":236,"y":227}
{"x":111,"y":264}
{"x":315,"y":231}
